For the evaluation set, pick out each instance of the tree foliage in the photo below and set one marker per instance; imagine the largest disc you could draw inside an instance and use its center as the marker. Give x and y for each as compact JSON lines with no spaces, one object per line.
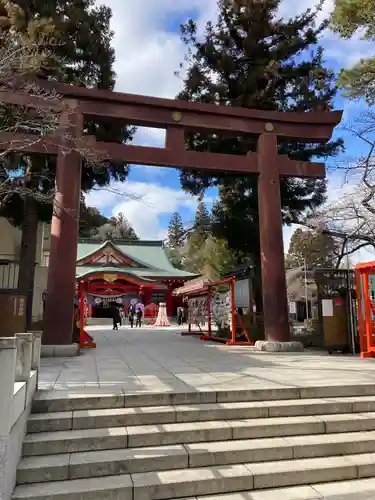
{"x":77,"y":33}
{"x":116,"y":228}
{"x":204,"y":253}
{"x":176,"y":232}
{"x":349,"y":18}
{"x":202,"y":221}
{"x":176,"y":239}
{"x":312,"y":249}
{"x":209,"y":257}
{"x":251,"y":58}
{"x":90,"y":221}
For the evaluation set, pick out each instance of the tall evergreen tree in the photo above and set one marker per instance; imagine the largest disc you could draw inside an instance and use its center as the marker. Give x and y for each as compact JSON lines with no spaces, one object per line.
{"x":176,"y":232}
{"x":202,"y":222}
{"x":176,"y":239}
{"x":79,"y":31}
{"x":251,"y":58}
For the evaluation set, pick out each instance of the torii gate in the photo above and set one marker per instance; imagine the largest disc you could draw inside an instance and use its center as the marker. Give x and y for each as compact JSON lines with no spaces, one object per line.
{"x":177,"y":117}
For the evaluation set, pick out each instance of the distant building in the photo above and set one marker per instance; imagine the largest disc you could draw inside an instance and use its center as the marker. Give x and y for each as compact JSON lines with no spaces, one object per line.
{"x":119,"y":271}
{"x":112,"y":271}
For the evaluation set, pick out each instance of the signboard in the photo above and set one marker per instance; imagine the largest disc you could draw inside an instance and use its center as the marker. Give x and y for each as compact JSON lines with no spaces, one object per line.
{"x":197,"y":310}
{"x":242,"y":293}
{"x":292,"y":308}
{"x":222,"y":311}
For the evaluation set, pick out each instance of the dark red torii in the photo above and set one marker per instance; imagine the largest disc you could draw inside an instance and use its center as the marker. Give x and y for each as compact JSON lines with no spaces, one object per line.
{"x":177,"y":117}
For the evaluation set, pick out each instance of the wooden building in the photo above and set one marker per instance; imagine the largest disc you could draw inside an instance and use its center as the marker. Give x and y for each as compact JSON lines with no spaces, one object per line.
{"x":123,"y":271}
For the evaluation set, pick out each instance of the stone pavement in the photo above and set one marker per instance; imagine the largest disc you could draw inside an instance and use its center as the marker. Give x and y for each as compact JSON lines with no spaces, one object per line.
{"x":161,"y":360}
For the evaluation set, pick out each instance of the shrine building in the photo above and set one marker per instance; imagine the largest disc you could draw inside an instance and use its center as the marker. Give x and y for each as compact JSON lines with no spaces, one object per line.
{"x":124,"y":270}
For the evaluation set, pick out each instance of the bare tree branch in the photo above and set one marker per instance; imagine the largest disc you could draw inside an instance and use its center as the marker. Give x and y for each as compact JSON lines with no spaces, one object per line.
{"x":351,"y":216}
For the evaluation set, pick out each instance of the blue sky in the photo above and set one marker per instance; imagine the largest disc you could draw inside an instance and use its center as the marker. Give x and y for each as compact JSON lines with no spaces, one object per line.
{"x":148,"y":51}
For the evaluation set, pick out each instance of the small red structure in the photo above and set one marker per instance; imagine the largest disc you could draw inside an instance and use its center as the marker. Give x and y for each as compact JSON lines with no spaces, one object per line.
{"x":203,"y":291}
{"x":366,"y":308}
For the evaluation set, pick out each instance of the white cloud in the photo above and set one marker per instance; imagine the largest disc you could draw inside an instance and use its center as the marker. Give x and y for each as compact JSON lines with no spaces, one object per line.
{"x":146,"y":58}
{"x":147,"y":55}
{"x":143,"y":204}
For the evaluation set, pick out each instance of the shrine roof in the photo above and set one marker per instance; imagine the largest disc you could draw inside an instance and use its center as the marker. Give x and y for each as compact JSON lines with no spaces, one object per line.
{"x":83,"y":271}
{"x":150,"y":258}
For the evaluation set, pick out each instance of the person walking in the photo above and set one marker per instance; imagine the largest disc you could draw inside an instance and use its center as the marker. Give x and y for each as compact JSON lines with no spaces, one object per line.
{"x":131,"y":315}
{"x":180,"y":315}
{"x":116,"y":317}
{"x":139,"y":308}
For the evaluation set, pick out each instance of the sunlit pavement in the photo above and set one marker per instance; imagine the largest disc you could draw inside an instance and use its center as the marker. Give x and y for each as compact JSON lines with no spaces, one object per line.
{"x":149,"y":359}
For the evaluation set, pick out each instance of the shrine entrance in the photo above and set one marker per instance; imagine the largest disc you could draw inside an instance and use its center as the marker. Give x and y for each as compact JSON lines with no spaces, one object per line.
{"x":178,"y":118}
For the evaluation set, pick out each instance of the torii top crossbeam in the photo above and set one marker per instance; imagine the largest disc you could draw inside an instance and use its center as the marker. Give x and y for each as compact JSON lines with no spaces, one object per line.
{"x":177,"y":117}
{"x":156,"y":112}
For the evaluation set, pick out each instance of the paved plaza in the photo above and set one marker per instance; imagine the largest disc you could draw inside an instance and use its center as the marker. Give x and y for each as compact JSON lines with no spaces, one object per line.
{"x":162,"y":360}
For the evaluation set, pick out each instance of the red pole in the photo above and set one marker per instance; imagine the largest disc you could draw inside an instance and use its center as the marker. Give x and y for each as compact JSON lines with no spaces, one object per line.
{"x":209,"y":310}
{"x":59,"y":312}
{"x":275,"y":302}
{"x":360,"y":302}
{"x":233,"y":301}
{"x":368,"y":318}
{"x":81,"y":309}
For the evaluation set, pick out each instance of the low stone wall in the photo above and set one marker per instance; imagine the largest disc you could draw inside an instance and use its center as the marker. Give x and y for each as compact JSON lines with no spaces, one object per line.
{"x":19,"y":367}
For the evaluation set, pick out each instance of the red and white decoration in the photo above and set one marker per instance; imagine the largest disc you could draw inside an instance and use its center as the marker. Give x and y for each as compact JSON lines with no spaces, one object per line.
{"x":162,"y":319}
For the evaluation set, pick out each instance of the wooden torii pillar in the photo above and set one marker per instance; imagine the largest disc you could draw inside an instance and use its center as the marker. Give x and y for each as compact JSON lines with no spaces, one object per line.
{"x":178,"y":117}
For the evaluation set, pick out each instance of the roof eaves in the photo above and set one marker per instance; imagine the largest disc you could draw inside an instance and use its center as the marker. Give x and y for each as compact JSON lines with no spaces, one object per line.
{"x":102,"y":270}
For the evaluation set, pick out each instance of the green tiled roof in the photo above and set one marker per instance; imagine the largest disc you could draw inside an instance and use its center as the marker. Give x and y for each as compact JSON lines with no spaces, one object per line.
{"x":150,"y":255}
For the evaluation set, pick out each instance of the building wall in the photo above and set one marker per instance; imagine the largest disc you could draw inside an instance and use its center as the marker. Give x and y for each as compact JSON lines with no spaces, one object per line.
{"x":10,"y":241}
{"x":10,"y":246}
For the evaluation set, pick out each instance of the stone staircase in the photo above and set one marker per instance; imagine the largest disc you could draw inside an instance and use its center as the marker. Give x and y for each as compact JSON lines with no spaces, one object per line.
{"x":266,"y":444}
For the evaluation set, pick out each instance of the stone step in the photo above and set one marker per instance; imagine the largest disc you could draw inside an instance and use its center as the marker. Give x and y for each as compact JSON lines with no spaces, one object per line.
{"x":159,"y":458}
{"x":51,"y":401}
{"x":50,"y":443}
{"x":193,"y":482}
{"x":148,"y":415}
{"x":355,"y":489}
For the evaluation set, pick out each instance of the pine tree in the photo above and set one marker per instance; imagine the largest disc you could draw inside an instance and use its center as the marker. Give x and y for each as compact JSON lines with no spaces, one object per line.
{"x":79,"y":32}
{"x":202,"y":222}
{"x":251,"y":58}
{"x":176,"y":232}
{"x":176,"y":240}
{"x":349,"y":18}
